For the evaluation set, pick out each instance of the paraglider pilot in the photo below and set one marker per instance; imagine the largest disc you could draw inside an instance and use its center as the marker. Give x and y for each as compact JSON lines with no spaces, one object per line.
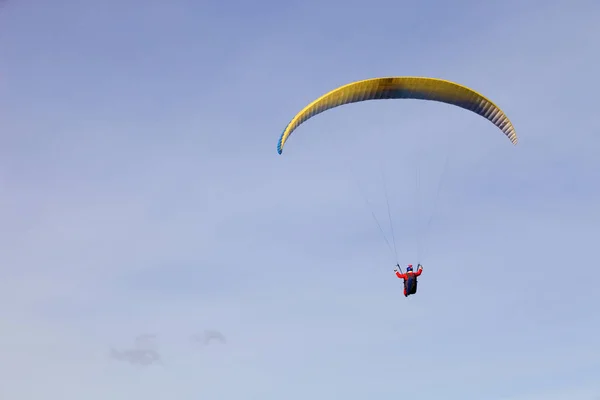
{"x":410,"y":278}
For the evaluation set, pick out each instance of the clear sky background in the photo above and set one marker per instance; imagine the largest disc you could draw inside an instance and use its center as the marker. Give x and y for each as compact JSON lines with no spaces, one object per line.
{"x":141,"y":192}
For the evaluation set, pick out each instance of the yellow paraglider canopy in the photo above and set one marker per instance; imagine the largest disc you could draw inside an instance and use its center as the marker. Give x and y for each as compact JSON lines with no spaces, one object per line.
{"x":404,"y":87}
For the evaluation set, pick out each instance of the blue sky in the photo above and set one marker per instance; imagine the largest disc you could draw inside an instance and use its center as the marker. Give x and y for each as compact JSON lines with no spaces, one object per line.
{"x":142,"y":192}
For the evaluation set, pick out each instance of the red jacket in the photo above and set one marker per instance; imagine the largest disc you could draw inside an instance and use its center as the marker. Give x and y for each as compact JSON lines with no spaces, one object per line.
{"x":411,"y":273}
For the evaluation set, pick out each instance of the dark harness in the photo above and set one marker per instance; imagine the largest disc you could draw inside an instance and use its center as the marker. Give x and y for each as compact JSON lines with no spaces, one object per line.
{"x":410,"y":284}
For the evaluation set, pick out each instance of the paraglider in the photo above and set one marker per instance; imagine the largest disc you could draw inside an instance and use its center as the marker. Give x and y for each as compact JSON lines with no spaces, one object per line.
{"x":410,"y":278}
{"x":404,"y":87}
